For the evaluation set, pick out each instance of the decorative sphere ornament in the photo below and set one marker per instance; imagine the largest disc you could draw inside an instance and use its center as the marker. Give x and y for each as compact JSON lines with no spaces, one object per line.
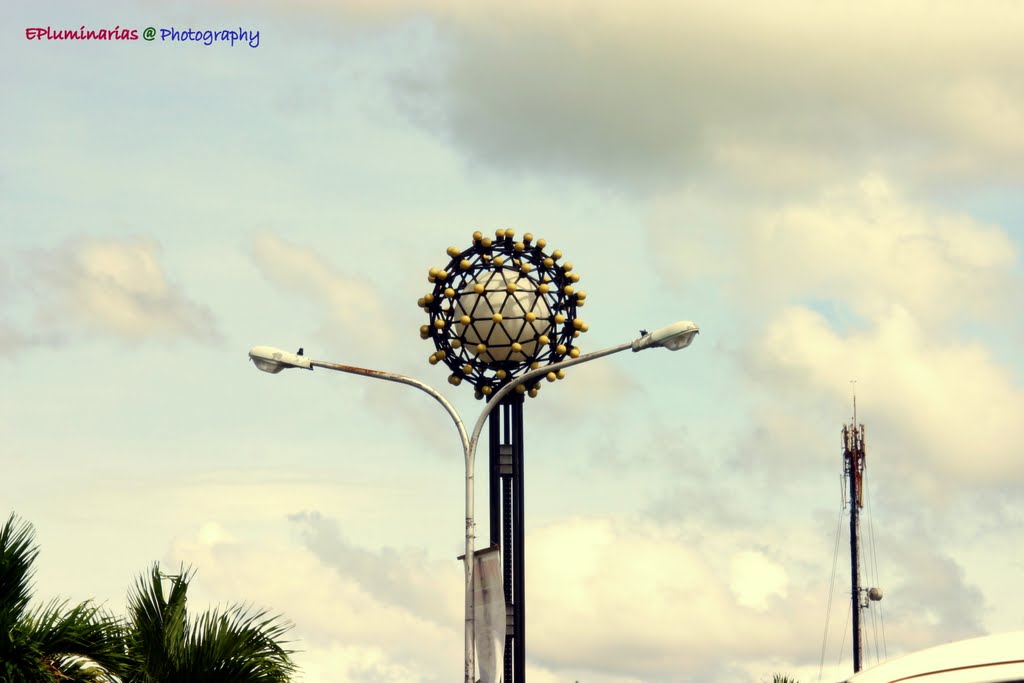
{"x":499,"y":308}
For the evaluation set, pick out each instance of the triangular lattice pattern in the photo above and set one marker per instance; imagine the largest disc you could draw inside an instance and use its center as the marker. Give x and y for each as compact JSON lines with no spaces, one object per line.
{"x":522,"y":317}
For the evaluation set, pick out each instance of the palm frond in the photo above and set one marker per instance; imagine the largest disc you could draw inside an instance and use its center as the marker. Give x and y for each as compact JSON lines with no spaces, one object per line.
{"x":231,"y":646}
{"x":17,"y":553}
{"x":157,"y":623}
{"x":240,"y":645}
{"x":82,"y":642}
{"x":55,"y":643}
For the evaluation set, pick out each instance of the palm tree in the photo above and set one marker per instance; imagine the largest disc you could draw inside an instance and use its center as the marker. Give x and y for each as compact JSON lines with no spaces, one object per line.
{"x":229,"y":646}
{"x":55,"y":642}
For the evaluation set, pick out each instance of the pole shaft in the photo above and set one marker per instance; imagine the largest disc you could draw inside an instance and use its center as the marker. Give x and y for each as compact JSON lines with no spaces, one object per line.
{"x":853,"y":467}
{"x":519,"y":540}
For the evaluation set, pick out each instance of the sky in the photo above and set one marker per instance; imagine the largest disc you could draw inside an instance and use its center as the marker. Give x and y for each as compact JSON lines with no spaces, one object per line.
{"x":832,"y":192}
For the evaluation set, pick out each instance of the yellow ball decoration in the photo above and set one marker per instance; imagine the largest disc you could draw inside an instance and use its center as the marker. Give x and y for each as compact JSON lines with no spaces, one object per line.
{"x":424,"y":332}
{"x":509,"y":232}
{"x":486,"y":390}
{"x":439,"y":324}
{"x":465,"y":264}
{"x":520,"y":388}
{"x":528,"y":237}
{"x":433,"y":359}
{"x":530,"y":316}
{"x":454,"y":380}
{"x":496,"y":317}
{"x":567,"y":267}
{"x":561,"y":374}
{"x":560,"y":349}
{"x":568,"y":289}
{"x":511,"y":287}
{"x":481,"y":348}
{"x":477,"y":236}
{"x":499,"y":233}
{"x":548,"y":262}
{"x":574,"y":352}
{"x":465,"y":320}
{"x":556,"y":254}
{"x":559,"y":318}
{"x":478,"y":288}
{"x":454,"y":251}
{"x":578,"y":324}
{"x":486,"y":242}
{"x":543,"y":288}
{"x":467,"y":368}
{"x":456,"y":344}
{"x":517,"y":347}
{"x":533,"y":392}
{"x":450,"y":293}
{"x":520,"y":246}
{"x":543,"y":340}
{"x":541,"y":243}
{"x":551,"y":377}
{"x":501,"y":374}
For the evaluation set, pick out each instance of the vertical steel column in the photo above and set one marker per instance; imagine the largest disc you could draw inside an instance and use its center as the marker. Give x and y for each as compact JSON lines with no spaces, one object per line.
{"x":507,"y":521}
{"x":519,"y":540}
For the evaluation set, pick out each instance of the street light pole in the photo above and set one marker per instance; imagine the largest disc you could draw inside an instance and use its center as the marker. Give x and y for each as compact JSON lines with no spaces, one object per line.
{"x":272,"y":360}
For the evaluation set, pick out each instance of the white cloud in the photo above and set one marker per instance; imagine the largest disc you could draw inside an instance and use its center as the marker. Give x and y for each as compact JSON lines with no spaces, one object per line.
{"x":755,"y":578}
{"x":958,"y":410}
{"x":636,"y":600}
{"x":865,"y":246}
{"x":351,"y":305}
{"x":344,"y":630}
{"x":118,"y":288}
{"x":861,"y":283}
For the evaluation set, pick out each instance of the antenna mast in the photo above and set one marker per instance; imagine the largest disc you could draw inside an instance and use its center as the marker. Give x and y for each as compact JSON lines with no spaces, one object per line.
{"x":853,"y":465}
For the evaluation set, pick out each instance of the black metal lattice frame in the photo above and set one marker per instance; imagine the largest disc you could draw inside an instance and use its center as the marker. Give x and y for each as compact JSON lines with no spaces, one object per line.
{"x":527,"y":281}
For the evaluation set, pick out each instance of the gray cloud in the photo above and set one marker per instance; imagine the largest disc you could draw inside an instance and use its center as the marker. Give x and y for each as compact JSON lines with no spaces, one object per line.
{"x":772,"y":95}
{"x":401,"y":578}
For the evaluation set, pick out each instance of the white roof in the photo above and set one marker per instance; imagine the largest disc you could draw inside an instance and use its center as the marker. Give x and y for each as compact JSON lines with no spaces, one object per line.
{"x":987,"y":659}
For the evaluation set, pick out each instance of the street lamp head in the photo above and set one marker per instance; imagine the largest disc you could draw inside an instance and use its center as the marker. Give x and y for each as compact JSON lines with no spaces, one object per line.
{"x":269,"y":359}
{"x":672,"y":337}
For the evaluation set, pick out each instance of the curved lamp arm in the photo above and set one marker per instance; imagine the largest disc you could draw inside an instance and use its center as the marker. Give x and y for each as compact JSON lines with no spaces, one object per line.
{"x":672,"y":337}
{"x":268,"y":359}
